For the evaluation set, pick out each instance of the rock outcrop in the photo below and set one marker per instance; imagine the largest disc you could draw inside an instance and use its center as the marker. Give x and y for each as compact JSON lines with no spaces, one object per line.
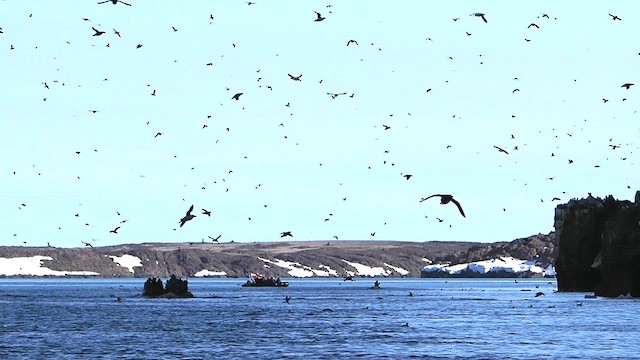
{"x":598,"y":243}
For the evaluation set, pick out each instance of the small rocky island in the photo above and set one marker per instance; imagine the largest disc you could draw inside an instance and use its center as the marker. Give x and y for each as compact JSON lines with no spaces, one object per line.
{"x":175,"y":288}
{"x":599,"y":246}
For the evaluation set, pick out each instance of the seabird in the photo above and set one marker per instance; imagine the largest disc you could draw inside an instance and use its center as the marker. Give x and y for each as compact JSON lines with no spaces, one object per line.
{"x":445,"y":199}
{"x":295,"y":78}
{"x":479,"y":15}
{"x":236,"y":96}
{"x":115,"y":231}
{"x":98,"y":32}
{"x":187,"y":217}
{"x":534,"y":25}
{"x":352,"y":42}
{"x":114,"y":2}
{"x":285,"y":233}
{"x":501,"y":150}
{"x":627,"y":85}
{"x":614,"y":17}
{"x":319,"y":18}
{"x":206,"y":212}
{"x":87,"y":244}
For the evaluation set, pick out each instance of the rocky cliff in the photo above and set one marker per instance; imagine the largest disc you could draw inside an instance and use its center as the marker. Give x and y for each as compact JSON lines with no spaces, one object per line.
{"x":599,"y":246}
{"x":282,"y":259}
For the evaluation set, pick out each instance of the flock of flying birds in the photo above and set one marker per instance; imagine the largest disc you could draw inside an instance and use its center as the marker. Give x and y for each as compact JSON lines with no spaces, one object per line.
{"x":189,"y":216}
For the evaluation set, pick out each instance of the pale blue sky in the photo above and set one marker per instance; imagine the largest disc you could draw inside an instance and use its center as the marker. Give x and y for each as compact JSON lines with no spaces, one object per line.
{"x":563,"y":73}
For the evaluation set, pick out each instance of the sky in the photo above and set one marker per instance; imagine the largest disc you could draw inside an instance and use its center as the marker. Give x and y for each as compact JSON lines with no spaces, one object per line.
{"x":430,"y":91}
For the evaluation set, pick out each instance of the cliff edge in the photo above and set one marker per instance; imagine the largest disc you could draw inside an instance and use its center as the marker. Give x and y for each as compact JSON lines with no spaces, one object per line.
{"x":598,"y":242}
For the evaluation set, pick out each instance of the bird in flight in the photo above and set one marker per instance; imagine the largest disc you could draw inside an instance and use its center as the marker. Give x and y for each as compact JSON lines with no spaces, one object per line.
{"x":352,"y":42}
{"x":98,"y":32}
{"x":407,"y":176}
{"x":158,"y":134}
{"x":479,"y":15}
{"x":214,"y":239}
{"x":534,"y":25}
{"x":335,"y":95}
{"x":206,"y":212}
{"x":445,"y":199}
{"x":319,"y":18}
{"x":615,"y":17}
{"x":115,"y":231}
{"x":87,"y":244}
{"x":236,"y":96}
{"x":295,"y":78}
{"x":627,"y":85}
{"x":116,"y":32}
{"x":114,"y":2}
{"x":285,"y":233}
{"x":501,"y":150}
{"x":187,"y":217}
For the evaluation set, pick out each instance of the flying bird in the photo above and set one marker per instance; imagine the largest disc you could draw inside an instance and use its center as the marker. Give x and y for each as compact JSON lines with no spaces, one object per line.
{"x":285,"y":233}
{"x":319,"y":18}
{"x":187,"y":217}
{"x":627,"y":85}
{"x":407,"y":176}
{"x":206,"y":212}
{"x":214,"y":239}
{"x":295,"y":78}
{"x":479,"y":15}
{"x":534,"y":25}
{"x":98,"y":32}
{"x":501,"y":150}
{"x":114,"y":2}
{"x":615,"y":17}
{"x":115,"y":231}
{"x":335,"y":95}
{"x":87,"y":244}
{"x":236,"y":96}
{"x":445,"y":199}
{"x":116,"y":32}
{"x":352,"y":42}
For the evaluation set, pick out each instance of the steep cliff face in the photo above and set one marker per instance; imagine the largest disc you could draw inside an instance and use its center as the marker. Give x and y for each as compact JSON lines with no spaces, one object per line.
{"x":598,"y":246}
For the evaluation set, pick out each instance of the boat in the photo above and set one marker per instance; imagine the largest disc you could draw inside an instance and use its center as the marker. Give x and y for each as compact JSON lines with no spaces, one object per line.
{"x":259,"y":280}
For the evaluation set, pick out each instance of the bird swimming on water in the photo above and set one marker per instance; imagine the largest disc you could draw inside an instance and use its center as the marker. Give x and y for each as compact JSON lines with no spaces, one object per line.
{"x":445,"y":199}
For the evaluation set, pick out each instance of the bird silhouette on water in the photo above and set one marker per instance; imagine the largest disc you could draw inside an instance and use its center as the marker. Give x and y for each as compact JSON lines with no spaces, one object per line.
{"x":445,"y":199}
{"x":187,"y":216}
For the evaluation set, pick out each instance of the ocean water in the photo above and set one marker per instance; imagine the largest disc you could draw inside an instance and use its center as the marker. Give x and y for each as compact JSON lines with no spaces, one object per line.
{"x":325,"y":319}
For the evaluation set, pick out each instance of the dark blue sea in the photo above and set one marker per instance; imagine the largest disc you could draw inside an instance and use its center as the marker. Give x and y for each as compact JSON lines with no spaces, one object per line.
{"x":325,"y":319}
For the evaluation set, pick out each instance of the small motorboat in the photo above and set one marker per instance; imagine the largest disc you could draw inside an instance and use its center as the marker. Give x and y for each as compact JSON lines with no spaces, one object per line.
{"x":258,"y":280}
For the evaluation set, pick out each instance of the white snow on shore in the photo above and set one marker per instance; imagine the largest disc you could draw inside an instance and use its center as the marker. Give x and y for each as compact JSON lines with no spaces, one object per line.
{"x":507,"y":264}
{"x":32,"y":266}
{"x":128,"y":261}
{"x":302,"y":271}
{"x":399,"y":270}
{"x":364,"y":270}
{"x":208,"y":273}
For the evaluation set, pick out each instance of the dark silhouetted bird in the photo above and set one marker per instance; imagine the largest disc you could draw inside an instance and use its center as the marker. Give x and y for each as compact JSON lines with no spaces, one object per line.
{"x":615,"y":17}
{"x":445,"y":199}
{"x":319,"y":16}
{"x":87,"y":244}
{"x":627,"y":85}
{"x":236,"y":96}
{"x":479,"y":15}
{"x":98,"y":32}
{"x":534,"y":25}
{"x":501,"y":150}
{"x":295,"y":78}
{"x":114,"y":231}
{"x":187,"y":217}
{"x":114,"y":2}
{"x":285,"y":233}
{"x":352,"y":42}
{"x":206,"y":212}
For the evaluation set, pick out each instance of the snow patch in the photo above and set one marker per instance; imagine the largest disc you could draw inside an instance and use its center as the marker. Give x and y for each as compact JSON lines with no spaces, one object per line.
{"x":301,"y":271}
{"x":128,"y":261}
{"x":399,"y":270}
{"x":32,"y":266}
{"x":507,"y":264}
{"x":208,"y":273}
{"x":364,"y":270}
